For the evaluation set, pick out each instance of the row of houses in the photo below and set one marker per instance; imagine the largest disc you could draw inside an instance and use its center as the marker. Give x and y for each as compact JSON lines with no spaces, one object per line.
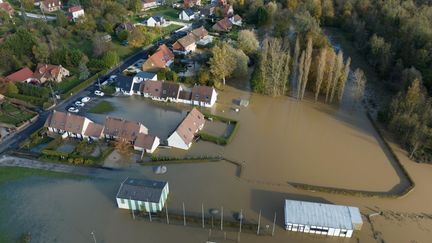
{"x":75,"y":126}
{"x":43,"y":73}
{"x":147,"y":85}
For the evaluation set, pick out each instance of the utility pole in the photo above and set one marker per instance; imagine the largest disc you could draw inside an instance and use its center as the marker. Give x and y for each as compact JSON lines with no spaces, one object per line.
{"x":259,"y":222}
{"x":221,"y":218}
{"x":241,"y":220}
{"x":166,"y":212}
{"x":133,"y":214}
{"x":149,"y":211}
{"x":94,"y":236}
{"x":274,"y":224}
{"x":184,"y":215}
{"x":202,"y":214}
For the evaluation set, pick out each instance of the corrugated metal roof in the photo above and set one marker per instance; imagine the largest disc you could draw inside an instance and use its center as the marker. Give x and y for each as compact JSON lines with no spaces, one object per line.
{"x":321,"y":214}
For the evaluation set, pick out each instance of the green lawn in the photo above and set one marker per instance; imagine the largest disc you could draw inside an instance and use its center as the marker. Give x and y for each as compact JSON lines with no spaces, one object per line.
{"x":102,"y":107}
{"x":167,"y":12}
{"x":11,"y":114}
{"x":8,"y":174}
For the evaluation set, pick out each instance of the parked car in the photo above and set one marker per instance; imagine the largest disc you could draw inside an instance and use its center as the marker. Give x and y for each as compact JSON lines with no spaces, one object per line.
{"x":85,"y":99}
{"x":79,"y":103}
{"x":125,"y":43}
{"x":73,"y":109}
{"x":99,"y":93}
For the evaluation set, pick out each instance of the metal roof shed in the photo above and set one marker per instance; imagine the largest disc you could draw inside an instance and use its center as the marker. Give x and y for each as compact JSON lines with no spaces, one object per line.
{"x":320,"y":218}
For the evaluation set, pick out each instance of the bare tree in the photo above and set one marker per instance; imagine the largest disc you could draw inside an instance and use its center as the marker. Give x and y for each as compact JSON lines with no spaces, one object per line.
{"x":359,"y":83}
{"x":344,"y":79}
{"x":307,"y":64}
{"x":320,"y":72}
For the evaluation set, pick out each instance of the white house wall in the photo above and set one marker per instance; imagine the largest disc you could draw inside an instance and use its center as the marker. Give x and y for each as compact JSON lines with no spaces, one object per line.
{"x":177,"y":142}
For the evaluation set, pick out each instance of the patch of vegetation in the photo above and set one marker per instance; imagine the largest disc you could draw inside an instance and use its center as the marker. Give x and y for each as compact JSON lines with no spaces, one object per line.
{"x":11,"y":114}
{"x":81,"y":85}
{"x":9,"y":174}
{"x":108,"y":89}
{"x":35,"y":139}
{"x":102,"y":107}
{"x":167,"y":12}
{"x":221,"y":140}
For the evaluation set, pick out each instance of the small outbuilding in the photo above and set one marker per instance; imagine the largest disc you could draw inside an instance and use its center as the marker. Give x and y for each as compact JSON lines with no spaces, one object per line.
{"x":142,"y":195}
{"x":321,"y":218}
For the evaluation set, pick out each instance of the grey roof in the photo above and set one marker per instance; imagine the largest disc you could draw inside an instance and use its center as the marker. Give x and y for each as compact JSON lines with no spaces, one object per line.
{"x":124,"y":82}
{"x":145,"y":75}
{"x":321,"y":214}
{"x":136,"y":87}
{"x":157,"y":18}
{"x":141,"y":190}
{"x":189,"y":12}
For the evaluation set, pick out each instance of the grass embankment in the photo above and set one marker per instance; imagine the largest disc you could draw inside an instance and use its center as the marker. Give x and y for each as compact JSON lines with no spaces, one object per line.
{"x":167,"y":12}
{"x":221,"y":140}
{"x":9,"y":174}
{"x":102,"y":107}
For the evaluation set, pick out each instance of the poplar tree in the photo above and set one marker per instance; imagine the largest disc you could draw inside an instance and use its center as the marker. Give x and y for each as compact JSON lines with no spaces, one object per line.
{"x":307,"y":64}
{"x":301,"y":71}
{"x":295,"y":61}
{"x":344,"y":79}
{"x":336,"y":74}
{"x":222,"y":63}
{"x":330,"y":75}
{"x":359,"y":84}
{"x":320,"y":72}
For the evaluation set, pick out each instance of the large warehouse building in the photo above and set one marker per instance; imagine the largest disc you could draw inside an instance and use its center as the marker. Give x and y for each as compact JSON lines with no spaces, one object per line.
{"x":322,"y":219}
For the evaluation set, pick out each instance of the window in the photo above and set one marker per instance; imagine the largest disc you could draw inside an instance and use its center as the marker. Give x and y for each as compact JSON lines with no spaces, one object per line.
{"x":122,"y":201}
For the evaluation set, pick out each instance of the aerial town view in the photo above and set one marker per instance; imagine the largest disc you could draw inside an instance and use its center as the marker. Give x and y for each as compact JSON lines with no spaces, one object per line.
{"x":215,"y":121}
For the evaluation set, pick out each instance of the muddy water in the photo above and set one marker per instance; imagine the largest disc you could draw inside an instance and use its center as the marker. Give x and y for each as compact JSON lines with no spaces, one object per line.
{"x":160,"y":118}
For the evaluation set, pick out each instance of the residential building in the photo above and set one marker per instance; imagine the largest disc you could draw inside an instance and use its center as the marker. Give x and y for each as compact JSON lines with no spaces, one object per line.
{"x":322,"y":219}
{"x":208,"y":10}
{"x":227,"y":10}
{"x":118,"y":128}
{"x":202,"y":36}
{"x":149,"y":4}
{"x":236,"y":20}
{"x":183,"y":136}
{"x":49,"y":6}
{"x":203,"y":96}
{"x":146,"y":143}
{"x":191,"y":3}
{"x":124,"y":27}
{"x":155,"y":21}
{"x":143,"y":76}
{"x":67,"y":124}
{"x":185,"y":45}
{"x":94,"y":131}
{"x":187,"y":14}
{"x":22,"y":75}
{"x":161,"y":59}
{"x":75,"y":12}
{"x":48,"y":72}
{"x":223,"y":25}
{"x":124,"y":84}
{"x":5,"y":6}
{"x":142,"y":195}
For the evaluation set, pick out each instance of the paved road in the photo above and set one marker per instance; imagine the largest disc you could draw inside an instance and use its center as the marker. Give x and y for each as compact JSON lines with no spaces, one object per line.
{"x":14,"y":141}
{"x":39,"y":16}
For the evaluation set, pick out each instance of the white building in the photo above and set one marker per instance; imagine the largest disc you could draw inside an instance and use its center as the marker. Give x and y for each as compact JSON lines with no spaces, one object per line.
{"x":184,"y":135}
{"x":142,"y":195}
{"x":146,"y":143}
{"x":187,"y":15}
{"x":155,"y":21}
{"x":203,"y":96}
{"x":75,"y":12}
{"x":322,"y":219}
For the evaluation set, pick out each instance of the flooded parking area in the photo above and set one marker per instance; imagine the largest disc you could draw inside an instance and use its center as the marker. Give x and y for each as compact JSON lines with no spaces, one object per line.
{"x":160,"y":118}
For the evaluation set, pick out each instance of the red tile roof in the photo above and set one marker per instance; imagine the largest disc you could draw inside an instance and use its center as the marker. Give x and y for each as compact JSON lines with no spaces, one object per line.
{"x":159,"y":59}
{"x":66,"y":122}
{"x":20,"y":75}
{"x":47,"y":71}
{"x":202,"y":93}
{"x":74,"y":9}
{"x":94,"y":130}
{"x":121,"y":128}
{"x":54,"y":3}
{"x":153,"y":88}
{"x":145,"y":141}
{"x":223,"y":25}
{"x":7,"y":7}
